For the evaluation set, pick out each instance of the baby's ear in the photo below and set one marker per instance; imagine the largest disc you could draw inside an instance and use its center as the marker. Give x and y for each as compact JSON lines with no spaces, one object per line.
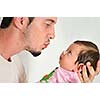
{"x":79,"y":67}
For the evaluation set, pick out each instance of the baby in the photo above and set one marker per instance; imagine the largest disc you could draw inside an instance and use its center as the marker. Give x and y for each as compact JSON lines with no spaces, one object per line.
{"x":71,"y":62}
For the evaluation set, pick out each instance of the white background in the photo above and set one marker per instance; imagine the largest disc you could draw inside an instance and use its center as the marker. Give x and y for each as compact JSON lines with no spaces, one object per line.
{"x":67,"y":30}
{"x":67,"y":8}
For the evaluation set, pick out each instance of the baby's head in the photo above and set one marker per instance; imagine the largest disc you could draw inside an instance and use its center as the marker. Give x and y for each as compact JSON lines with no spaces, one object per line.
{"x":78,"y":54}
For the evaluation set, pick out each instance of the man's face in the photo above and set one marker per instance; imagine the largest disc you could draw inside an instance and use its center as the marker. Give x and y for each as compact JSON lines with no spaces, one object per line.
{"x":39,"y":33}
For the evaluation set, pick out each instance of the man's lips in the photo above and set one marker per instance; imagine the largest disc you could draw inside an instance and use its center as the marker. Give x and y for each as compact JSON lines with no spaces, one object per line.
{"x":46,"y":45}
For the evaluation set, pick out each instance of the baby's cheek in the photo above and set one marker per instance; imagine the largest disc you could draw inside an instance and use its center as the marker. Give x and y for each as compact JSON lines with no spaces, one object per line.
{"x":71,"y":66}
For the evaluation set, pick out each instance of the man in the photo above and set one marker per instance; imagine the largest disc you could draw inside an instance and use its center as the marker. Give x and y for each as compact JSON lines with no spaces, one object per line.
{"x":26,"y":33}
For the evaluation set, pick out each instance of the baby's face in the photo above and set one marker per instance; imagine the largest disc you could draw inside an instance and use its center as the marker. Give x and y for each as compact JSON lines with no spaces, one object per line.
{"x":67,"y":58}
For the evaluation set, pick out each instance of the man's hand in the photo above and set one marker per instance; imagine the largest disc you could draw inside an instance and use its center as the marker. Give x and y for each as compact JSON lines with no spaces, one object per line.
{"x":98,"y":68}
{"x":84,"y":78}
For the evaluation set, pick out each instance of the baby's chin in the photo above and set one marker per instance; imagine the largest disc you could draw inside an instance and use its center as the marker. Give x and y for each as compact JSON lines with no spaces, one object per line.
{"x":72,"y":70}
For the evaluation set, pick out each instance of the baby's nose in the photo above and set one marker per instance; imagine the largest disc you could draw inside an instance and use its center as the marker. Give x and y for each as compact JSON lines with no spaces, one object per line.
{"x":64,"y":52}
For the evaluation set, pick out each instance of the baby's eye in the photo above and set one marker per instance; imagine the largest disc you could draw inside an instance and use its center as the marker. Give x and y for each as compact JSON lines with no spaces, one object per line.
{"x":69,"y":52}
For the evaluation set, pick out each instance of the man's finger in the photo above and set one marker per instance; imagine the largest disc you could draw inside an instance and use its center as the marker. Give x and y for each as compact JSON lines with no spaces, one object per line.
{"x":85,"y":75}
{"x":91,"y":73}
{"x":80,"y":77}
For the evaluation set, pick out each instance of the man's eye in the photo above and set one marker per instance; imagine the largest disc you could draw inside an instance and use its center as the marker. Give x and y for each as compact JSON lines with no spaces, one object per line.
{"x":47,"y":24}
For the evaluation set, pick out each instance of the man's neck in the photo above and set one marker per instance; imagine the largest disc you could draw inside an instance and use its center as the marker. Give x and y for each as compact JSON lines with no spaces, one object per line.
{"x":9,"y":44}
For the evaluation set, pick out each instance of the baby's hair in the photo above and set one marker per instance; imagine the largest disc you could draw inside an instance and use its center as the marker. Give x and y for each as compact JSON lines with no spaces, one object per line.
{"x":90,"y":54}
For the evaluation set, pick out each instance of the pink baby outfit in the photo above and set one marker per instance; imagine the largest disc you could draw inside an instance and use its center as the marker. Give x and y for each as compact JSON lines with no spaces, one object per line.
{"x":63,"y":76}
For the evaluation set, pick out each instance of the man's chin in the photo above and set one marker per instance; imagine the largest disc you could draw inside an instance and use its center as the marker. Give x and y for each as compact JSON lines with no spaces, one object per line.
{"x":35,"y":54}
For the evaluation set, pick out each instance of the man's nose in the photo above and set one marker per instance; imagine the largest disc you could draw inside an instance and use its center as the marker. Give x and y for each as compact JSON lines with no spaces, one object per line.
{"x":52,"y":34}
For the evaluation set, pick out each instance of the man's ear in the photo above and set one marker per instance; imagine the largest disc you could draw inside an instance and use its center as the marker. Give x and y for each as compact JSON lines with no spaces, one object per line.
{"x":20,"y":22}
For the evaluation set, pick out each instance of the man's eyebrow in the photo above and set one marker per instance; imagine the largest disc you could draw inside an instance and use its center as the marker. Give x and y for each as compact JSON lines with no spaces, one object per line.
{"x":53,"y":21}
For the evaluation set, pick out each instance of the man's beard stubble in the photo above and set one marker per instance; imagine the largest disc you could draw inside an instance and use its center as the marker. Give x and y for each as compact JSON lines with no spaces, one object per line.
{"x":35,"y":54}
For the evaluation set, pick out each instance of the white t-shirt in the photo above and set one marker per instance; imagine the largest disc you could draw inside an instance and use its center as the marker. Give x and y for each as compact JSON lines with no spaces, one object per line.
{"x":12,"y":72}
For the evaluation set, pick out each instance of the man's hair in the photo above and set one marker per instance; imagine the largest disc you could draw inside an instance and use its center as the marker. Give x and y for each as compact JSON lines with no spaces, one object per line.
{"x":91,"y":54}
{"x":6,"y":21}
